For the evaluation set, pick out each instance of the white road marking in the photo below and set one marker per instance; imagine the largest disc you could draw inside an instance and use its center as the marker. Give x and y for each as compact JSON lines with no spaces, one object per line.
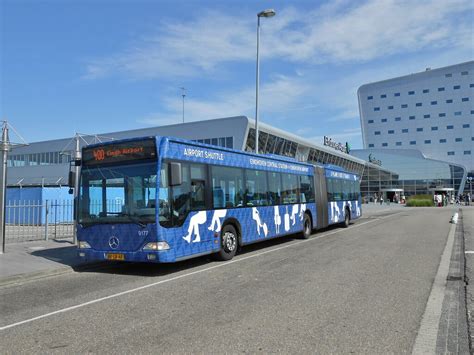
{"x":425,"y":342}
{"x":67,"y":309}
{"x":469,"y":252}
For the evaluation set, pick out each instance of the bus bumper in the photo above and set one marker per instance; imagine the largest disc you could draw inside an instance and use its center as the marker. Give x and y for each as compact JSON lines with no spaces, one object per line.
{"x":139,"y":256}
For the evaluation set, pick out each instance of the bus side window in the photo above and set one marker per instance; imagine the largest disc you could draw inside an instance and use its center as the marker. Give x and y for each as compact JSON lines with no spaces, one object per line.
{"x":256,"y":188}
{"x":330,"y":189}
{"x":198,"y":187}
{"x":307,"y":189}
{"x":274,"y":188}
{"x":337,"y":189}
{"x":357,"y":190}
{"x":353,"y":195}
{"x":290,"y":188}
{"x":346,"y":189}
{"x":227,"y":187}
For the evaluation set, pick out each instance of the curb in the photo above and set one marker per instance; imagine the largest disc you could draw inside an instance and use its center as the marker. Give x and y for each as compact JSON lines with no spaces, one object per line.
{"x":37,"y":275}
{"x":427,"y":337}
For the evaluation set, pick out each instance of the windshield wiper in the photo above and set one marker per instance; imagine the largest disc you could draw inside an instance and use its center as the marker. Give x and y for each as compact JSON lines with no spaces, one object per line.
{"x":134,"y":218}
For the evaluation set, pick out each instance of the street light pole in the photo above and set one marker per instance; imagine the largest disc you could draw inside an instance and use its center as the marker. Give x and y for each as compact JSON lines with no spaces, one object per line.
{"x":183,"y":94}
{"x":77,"y":160}
{"x":470,"y":188}
{"x":5,"y":148}
{"x":264,"y":13}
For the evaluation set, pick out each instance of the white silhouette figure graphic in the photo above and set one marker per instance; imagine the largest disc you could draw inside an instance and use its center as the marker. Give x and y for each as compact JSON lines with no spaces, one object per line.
{"x":294,"y":212}
{"x":302,"y":210}
{"x":258,"y":221}
{"x":216,"y":220}
{"x":287,"y":220}
{"x":335,"y":212}
{"x":357,"y":209}
{"x":277,"y":219}
{"x":194,"y":222}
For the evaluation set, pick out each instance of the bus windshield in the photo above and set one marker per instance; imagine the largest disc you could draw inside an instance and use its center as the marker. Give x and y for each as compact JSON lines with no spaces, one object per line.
{"x":118,"y":194}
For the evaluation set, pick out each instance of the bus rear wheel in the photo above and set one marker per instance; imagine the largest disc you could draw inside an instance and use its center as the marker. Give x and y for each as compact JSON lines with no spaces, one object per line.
{"x":229,"y":243}
{"x":307,"y":226}
{"x":347,"y":218}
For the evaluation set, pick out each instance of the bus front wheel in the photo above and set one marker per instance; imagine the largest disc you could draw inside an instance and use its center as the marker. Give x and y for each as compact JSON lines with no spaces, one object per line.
{"x":229,"y":243}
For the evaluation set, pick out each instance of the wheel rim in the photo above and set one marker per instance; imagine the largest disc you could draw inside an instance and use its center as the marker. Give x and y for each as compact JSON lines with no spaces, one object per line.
{"x":347,"y":218}
{"x":230,"y":242}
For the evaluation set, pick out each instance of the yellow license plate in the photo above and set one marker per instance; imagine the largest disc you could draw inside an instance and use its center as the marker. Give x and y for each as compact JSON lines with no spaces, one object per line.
{"x":115,"y":256}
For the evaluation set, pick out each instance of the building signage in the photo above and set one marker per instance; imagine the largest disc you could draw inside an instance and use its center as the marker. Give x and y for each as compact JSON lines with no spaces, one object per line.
{"x":345,"y":148}
{"x":374,"y":161}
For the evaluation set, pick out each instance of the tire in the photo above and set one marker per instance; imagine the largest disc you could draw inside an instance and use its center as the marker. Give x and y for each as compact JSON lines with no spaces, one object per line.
{"x":347,"y":218}
{"x":229,"y":243}
{"x":307,"y":227}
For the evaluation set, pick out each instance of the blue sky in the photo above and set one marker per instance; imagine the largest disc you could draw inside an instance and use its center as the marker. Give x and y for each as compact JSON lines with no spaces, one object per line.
{"x":95,"y":66}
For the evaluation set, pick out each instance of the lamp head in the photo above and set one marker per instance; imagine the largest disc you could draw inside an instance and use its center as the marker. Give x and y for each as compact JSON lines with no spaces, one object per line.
{"x":267,"y":13}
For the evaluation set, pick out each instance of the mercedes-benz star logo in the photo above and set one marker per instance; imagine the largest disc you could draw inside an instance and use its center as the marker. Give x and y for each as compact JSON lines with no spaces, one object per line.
{"x":114,"y":242}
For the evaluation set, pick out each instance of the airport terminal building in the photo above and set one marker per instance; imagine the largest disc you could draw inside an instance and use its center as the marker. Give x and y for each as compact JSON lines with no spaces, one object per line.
{"x":44,"y":166}
{"x":431,"y":111}
{"x":47,"y":163}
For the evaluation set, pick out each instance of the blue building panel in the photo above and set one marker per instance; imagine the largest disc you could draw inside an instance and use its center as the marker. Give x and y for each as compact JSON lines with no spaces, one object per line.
{"x":26,"y":205}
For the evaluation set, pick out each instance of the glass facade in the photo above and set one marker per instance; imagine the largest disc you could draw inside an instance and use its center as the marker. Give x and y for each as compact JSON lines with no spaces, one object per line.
{"x":414,"y":174}
{"x":376,"y":179}
{"x":271,"y":144}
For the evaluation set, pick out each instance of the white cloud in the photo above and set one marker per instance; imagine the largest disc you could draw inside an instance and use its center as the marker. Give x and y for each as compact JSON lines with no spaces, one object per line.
{"x":339,"y":31}
{"x":379,"y":28}
{"x":182,"y":49}
{"x":282,"y":94}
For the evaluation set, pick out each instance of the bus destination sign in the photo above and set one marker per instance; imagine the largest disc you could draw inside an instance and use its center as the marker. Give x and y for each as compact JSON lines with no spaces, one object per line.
{"x":119,"y":152}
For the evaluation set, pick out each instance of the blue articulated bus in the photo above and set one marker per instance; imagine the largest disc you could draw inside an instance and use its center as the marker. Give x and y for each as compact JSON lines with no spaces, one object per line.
{"x":162,"y":199}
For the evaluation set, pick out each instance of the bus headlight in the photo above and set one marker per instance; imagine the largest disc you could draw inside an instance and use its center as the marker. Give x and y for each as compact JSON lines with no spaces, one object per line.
{"x":83,"y":245}
{"x":156,"y":246}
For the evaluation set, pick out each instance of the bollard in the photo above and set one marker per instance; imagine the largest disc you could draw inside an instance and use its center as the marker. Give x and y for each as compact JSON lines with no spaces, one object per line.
{"x":454,"y":218}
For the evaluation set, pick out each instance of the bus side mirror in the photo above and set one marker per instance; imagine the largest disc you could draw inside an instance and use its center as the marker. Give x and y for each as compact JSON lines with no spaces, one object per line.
{"x":176,"y":174}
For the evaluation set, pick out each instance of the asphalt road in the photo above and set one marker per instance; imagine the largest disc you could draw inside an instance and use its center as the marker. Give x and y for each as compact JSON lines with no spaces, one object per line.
{"x":362,"y":289}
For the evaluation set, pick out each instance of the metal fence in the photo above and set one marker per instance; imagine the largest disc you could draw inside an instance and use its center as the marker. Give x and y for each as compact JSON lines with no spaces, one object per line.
{"x":39,"y":220}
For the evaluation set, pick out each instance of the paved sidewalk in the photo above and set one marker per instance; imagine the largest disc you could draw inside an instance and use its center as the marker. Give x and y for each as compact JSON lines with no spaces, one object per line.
{"x":453,"y":334}
{"x":468,"y":231}
{"x":36,"y":259}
